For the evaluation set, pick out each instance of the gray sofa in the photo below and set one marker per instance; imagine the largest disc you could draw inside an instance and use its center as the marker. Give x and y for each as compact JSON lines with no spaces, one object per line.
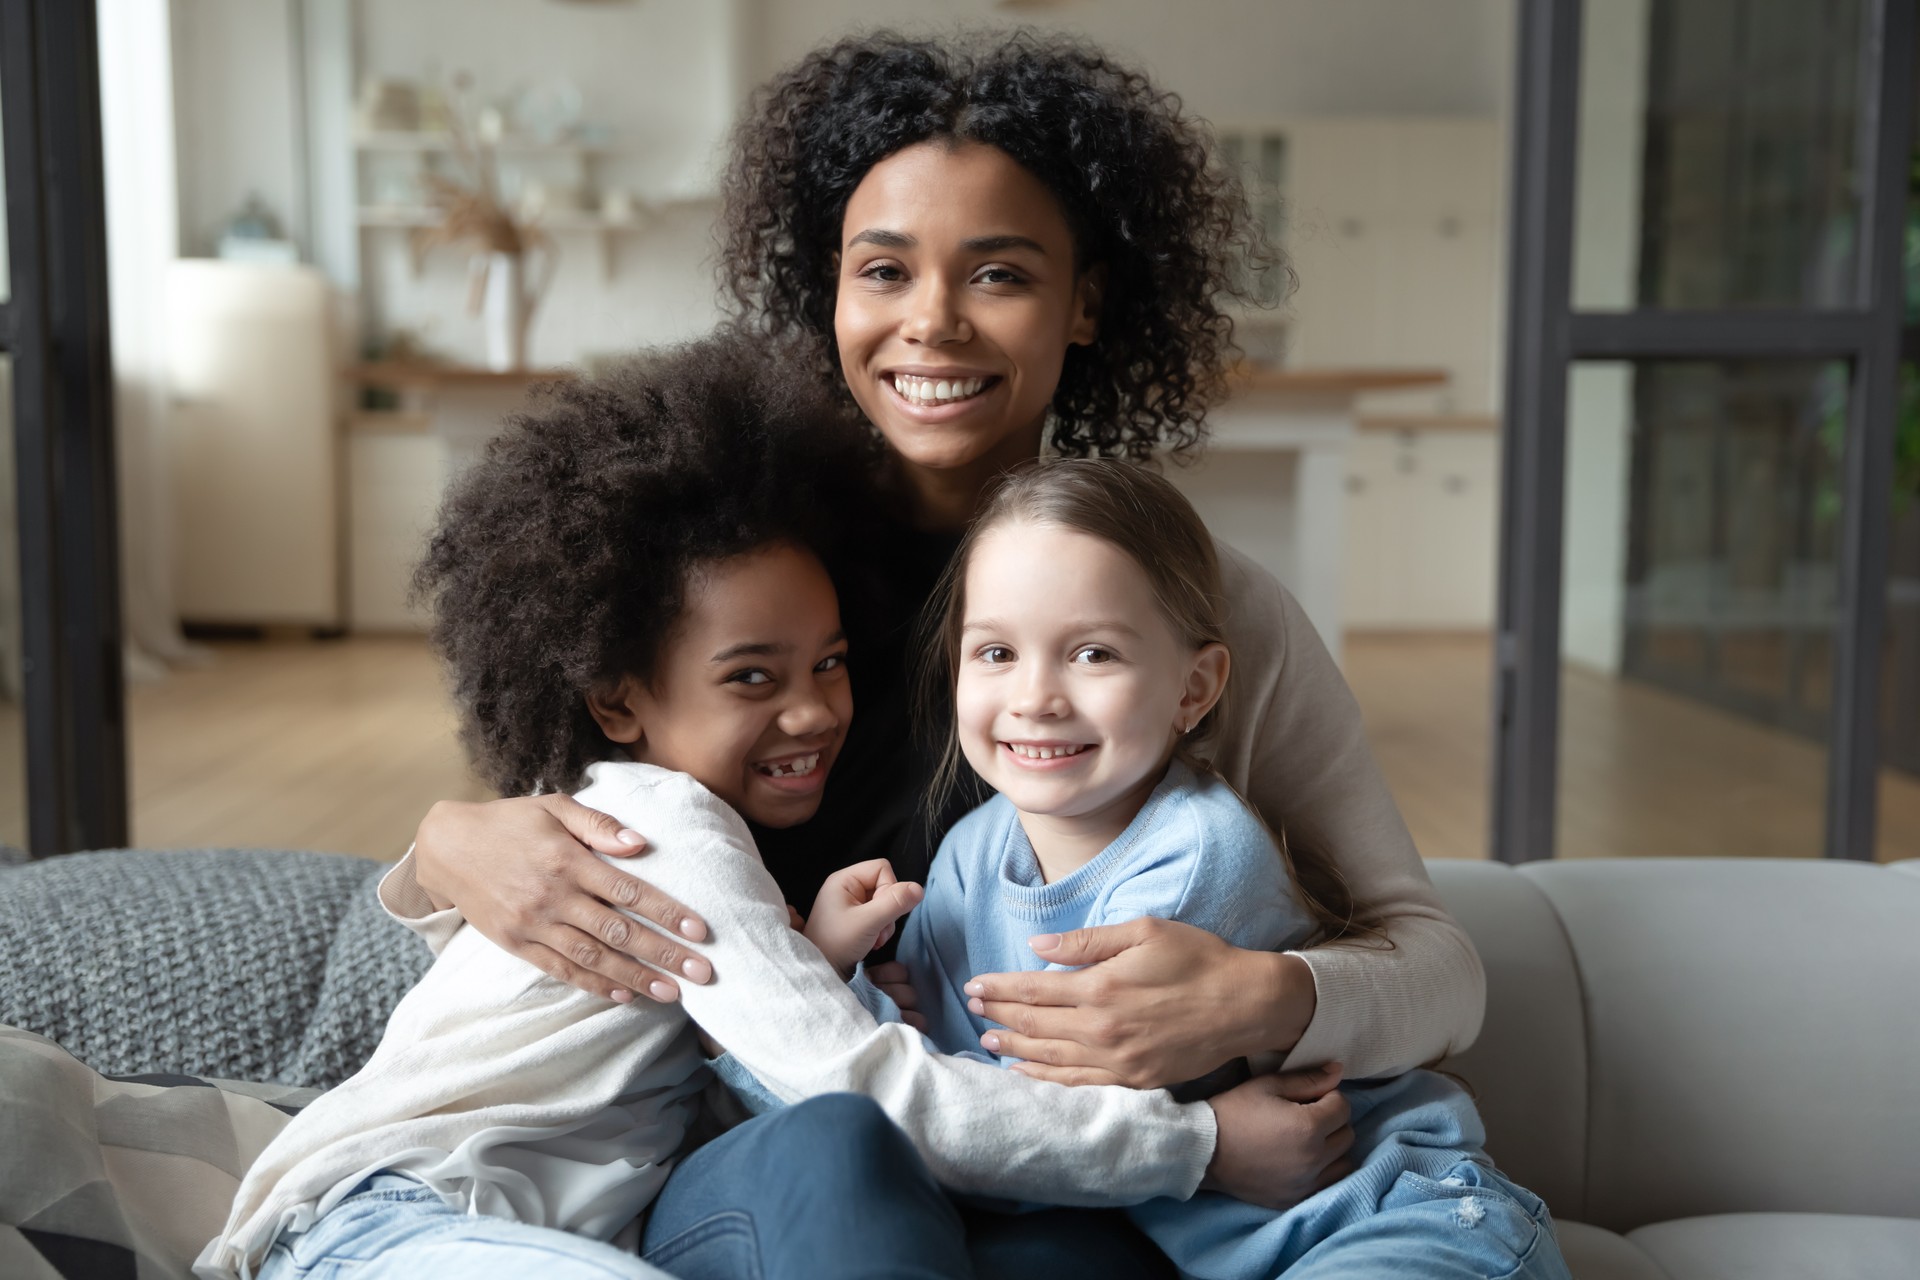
{"x":1710,"y":1069}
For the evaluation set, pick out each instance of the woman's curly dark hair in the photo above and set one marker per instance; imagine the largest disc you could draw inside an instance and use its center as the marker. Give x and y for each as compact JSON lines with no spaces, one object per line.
{"x":561,"y":560}
{"x":1135,"y":176}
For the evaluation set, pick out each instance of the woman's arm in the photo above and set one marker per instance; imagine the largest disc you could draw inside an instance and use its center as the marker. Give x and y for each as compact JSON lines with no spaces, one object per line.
{"x":522,"y":872}
{"x":1161,"y":999}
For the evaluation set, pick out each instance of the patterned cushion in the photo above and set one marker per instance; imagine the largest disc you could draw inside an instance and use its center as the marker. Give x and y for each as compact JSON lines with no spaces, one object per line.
{"x":242,"y":964}
{"x":119,"y":1177}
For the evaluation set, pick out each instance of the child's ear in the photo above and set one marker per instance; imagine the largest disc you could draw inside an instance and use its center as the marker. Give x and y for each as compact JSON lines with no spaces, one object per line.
{"x":616,"y":709}
{"x":1088,"y":293}
{"x":1206,"y":681}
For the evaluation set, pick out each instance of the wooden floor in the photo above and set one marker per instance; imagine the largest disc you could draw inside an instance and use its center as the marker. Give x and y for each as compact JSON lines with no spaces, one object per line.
{"x":338,"y":745}
{"x":1643,"y":772}
{"x":343,"y":745}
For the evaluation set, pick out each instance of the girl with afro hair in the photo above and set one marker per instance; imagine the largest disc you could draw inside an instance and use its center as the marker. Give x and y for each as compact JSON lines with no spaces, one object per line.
{"x":993,"y":247}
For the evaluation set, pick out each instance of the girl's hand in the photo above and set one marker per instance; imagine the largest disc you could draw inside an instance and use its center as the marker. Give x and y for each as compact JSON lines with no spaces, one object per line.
{"x":893,"y":978}
{"x":1157,"y":1003}
{"x":856,"y":910}
{"x":1281,"y":1138}
{"x":520,"y":872}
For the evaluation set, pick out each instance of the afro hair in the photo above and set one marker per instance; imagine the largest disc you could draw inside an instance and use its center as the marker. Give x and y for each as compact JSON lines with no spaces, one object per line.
{"x":560,"y":561}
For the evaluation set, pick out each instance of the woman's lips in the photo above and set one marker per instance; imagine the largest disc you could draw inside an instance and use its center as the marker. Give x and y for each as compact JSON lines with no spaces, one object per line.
{"x":938,"y":411}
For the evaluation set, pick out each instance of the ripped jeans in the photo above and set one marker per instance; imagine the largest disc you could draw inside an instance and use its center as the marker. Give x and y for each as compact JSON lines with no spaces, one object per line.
{"x":1423,"y":1201}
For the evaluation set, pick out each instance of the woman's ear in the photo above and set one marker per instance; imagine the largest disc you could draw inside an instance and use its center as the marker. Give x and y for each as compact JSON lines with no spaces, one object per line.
{"x":1206,"y":681}
{"x":1089,"y":291}
{"x":617,"y":710}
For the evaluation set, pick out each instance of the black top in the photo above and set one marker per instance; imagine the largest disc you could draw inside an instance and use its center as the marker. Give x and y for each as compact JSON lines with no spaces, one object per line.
{"x":873,"y":806}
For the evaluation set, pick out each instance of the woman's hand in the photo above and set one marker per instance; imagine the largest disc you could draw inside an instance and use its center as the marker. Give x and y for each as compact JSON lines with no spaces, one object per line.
{"x":521,"y":873}
{"x":1158,"y":1002}
{"x":856,"y":910}
{"x":1281,"y":1138}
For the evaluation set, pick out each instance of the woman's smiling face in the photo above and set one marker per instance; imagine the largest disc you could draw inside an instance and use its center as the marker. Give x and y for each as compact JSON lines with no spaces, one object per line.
{"x":958,"y":297}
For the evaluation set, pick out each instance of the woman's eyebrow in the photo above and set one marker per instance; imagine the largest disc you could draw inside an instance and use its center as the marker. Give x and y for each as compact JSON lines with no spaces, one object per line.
{"x":885,"y":239}
{"x":999,"y":244}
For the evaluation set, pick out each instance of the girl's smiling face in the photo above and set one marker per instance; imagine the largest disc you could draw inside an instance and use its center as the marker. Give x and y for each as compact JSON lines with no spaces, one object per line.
{"x":749,"y":694}
{"x":958,"y":297}
{"x":1072,"y":687}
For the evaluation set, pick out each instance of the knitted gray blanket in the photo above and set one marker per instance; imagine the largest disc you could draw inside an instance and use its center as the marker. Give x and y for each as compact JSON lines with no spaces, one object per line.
{"x":240,"y":964}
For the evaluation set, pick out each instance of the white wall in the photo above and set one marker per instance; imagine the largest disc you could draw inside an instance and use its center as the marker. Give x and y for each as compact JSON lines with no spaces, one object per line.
{"x":1235,"y":60}
{"x":234,"y":101}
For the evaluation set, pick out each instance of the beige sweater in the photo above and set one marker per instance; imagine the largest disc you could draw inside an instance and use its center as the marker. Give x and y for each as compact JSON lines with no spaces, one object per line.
{"x":1292,"y":743}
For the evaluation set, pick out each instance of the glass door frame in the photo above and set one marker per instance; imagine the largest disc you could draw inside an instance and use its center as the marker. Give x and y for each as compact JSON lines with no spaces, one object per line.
{"x":1546,"y":335}
{"x":53,"y":326}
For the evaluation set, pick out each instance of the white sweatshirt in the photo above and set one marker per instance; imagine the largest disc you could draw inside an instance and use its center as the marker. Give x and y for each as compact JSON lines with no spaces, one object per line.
{"x":515,"y":1094}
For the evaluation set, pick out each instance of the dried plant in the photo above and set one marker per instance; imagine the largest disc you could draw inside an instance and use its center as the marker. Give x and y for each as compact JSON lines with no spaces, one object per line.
{"x":471,"y":211}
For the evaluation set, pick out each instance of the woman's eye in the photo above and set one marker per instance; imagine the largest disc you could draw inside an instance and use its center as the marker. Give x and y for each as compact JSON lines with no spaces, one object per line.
{"x":885,"y":272}
{"x":1093,"y":653}
{"x":996,"y":654}
{"x":833,"y":663}
{"x":752,"y":675}
{"x":999,"y":275}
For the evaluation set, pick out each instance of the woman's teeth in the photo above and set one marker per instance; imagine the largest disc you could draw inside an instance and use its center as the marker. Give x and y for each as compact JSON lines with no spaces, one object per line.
{"x":1043,"y":753}
{"x":936,"y":390}
{"x":795,"y":768}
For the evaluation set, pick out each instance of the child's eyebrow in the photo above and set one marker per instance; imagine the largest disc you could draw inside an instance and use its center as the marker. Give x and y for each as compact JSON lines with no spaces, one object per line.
{"x":765,"y":649}
{"x":994,"y":624}
{"x":752,"y":649}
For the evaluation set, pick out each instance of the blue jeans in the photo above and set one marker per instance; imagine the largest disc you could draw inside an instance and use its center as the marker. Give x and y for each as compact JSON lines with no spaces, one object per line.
{"x":1424,"y":1201}
{"x":829,"y":1187}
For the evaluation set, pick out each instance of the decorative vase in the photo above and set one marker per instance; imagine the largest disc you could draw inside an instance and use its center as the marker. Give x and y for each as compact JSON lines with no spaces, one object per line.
{"x":506,"y":311}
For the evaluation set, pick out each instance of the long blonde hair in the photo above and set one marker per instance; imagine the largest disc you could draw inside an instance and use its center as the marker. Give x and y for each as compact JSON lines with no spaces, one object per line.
{"x":1140,"y":512}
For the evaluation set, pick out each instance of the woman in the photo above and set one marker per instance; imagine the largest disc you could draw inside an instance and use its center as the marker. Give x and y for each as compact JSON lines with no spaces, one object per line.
{"x":996,"y":249}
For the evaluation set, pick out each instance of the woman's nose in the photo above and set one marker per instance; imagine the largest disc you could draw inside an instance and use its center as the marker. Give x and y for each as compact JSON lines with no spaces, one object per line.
{"x":934,"y":316}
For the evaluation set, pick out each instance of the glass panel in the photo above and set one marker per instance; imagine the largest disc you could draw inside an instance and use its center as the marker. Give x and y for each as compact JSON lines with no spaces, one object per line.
{"x":1702,"y":533}
{"x":13,"y":730}
{"x":1899,"y":826}
{"x":1717,"y":140}
{"x":6,"y":269}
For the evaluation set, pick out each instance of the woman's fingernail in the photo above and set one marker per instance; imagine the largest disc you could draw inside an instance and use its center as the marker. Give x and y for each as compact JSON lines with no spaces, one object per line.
{"x":976,"y":988}
{"x":693,"y":929}
{"x":977,"y":1005}
{"x":664,"y":991}
{"x":1044,"y":941}
{"x":695,"y":969}
{"x":629,"y":836}
{"x":620,"y":995}
{"x":990,"y":1042}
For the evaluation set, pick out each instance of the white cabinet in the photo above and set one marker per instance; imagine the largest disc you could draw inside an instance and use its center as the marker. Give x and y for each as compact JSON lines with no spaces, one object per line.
{"x":1394,"y":228}
{"x":1423,"y":509}
{"x":254,"y":456}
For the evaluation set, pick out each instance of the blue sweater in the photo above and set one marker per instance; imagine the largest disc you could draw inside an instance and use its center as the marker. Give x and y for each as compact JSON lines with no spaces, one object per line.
{"x":1195,"y":853}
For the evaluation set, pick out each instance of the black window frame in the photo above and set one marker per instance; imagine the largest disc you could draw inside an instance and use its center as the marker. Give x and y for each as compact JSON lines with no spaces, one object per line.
{"x":54,"y":328}
{"x":1546,"y":335}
